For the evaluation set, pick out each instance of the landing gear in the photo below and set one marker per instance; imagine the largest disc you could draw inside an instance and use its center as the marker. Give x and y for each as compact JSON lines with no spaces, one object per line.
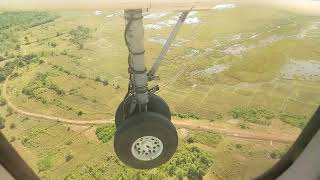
{"x":156,"y":104}
{"x":145,"y":140}
{"x":145,"y":136}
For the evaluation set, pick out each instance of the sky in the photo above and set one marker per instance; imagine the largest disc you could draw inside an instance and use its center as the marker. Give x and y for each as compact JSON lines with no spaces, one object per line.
{"x":307,"y":6}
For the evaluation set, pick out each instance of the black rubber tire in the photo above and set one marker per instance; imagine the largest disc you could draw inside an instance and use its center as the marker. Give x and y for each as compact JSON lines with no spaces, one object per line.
{"x":156,"y":104}
{"x":145,"y":124}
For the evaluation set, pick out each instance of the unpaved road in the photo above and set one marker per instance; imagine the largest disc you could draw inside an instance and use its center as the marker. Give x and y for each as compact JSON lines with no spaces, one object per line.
{"x":222,"y":128}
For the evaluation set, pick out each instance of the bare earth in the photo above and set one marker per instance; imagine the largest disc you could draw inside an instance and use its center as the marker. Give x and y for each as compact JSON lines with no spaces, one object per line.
{"x":278,"y":136}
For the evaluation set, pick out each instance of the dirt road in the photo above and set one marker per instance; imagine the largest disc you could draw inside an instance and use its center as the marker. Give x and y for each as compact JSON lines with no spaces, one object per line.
{"x":222,"y":128}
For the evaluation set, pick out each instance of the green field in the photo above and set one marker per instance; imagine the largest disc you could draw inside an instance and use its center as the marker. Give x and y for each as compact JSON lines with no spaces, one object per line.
{"x":249,"y":68}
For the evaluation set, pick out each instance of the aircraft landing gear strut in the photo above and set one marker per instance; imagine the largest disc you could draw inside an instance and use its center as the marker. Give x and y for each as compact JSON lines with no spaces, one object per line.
{"x":145,"y":136}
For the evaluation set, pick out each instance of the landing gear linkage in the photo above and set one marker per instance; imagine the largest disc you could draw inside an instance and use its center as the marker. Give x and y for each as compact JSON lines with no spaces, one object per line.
{"x":145,"y":137}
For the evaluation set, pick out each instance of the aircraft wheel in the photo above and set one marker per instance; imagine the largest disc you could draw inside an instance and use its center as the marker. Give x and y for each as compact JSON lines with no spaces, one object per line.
{"x":145,"y":140}
{"x":155,"y":104}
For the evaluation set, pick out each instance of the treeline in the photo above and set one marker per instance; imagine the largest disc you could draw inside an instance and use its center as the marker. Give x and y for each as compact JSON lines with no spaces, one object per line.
{"x":104,"y":82}
{"x":20,"y":61}
{"x":79,"y":36}
{"x":11,"y":22}
{"x":189,"y":161}
{"x":264,"y":117}
{"x":41,"y":81}
{"x":24,"y":19}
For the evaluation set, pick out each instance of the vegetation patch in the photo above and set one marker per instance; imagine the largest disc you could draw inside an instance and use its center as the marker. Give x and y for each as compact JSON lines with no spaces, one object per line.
{"x":46,"y":162}
{"x":39,"y":84}
{"x":79,"y":36}
{"x":190,"y":162}
{"x":2,"y":101}
{"x":11,"y":22}
{"x":253,"y":115}
{"x":105,"y":82}
{"x":244,"y":125}
{"x":186,"y":116}
{"x":24,"y":19}
{"x":105,"y":133}
{"x":207,"y":138}
{"x":108,"y":167}
{"x":298,"y":121}
{"x":9,"y":111}
{"x":20,"y":61}
{"x":2,"y":122}
{"x":278,"y":153}
{"x":30,"y":139}
{"x":69,"y":157}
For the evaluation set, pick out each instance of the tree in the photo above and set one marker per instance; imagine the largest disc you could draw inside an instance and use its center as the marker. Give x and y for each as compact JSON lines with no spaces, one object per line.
{"x":26,"y":39}
{"x":2,"y":101}
{"x":105,"y":133}
{"x":69,"y":157}
{"x":79,"y":36}
{"x":2,"y":122}
{"x":12,"y":125}
{"x":190,"y":162}
{"x":2,"y":77}
{"x":17,"y":47}
{"x":10,"y":111}
{"x":80,"y":113}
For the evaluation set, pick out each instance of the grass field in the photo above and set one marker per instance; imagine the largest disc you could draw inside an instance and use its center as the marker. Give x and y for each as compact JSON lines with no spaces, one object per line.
{"x":45,"y":146}
{"x":257,"y":68}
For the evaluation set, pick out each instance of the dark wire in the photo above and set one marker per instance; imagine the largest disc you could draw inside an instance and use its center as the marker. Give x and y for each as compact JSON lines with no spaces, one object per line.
{"x":130,"y":86}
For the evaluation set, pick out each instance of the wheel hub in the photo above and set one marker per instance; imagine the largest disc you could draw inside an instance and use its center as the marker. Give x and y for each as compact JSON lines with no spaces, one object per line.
{"x":147,"y":148}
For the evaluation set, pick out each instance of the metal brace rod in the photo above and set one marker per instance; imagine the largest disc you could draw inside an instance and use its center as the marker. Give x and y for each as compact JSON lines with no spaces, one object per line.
{"x":168,"y":43}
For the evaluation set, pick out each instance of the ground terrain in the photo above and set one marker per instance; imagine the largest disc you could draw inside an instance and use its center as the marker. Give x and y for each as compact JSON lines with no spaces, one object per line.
{"x":242,"y":81}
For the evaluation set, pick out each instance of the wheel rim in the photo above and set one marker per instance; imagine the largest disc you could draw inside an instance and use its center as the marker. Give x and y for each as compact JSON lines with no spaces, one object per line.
{"x":147,"y":148}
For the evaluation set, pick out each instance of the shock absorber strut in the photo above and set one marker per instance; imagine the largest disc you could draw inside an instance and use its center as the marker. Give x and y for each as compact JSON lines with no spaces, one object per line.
{"x":134,"y":36}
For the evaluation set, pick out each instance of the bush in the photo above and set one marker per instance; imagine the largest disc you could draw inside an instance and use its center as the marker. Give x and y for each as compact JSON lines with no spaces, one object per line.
{"x":190,"y":162}
{"x":2,"y":101}
{"x":238,"y":146}
{"x":80,"y":113}
{"x":278,"y":154}
{"x":41,"y":61}
{"x":117,"y":86}
{"x":2,"y":77}
{"x":17,"y":47}
{"x":98,"y":79}
{"x":64,"y":52}
{"x":207,"y":138}
{"x":253,"y":115}
{"x":105,"y":82}
{"x":45,"y":163}
{"x":69,"y":157}
{"x":79,"y":36}
{"x":105,"y":133}
{"x":25,"y":119}
{"x":190,"y":139}
{"x":244,"y":125}
{"x":13,"y":125}
{"x":10,"y":111}
{"x":52,"y":44}
{"x":2,"y":58}
{"x":68,"y":143}
{"x":186,"y":116}
{"x":14,"y":75}
{"x":2,"y":122}
{"x":13,"y":139}
{"x":298,"y":121}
